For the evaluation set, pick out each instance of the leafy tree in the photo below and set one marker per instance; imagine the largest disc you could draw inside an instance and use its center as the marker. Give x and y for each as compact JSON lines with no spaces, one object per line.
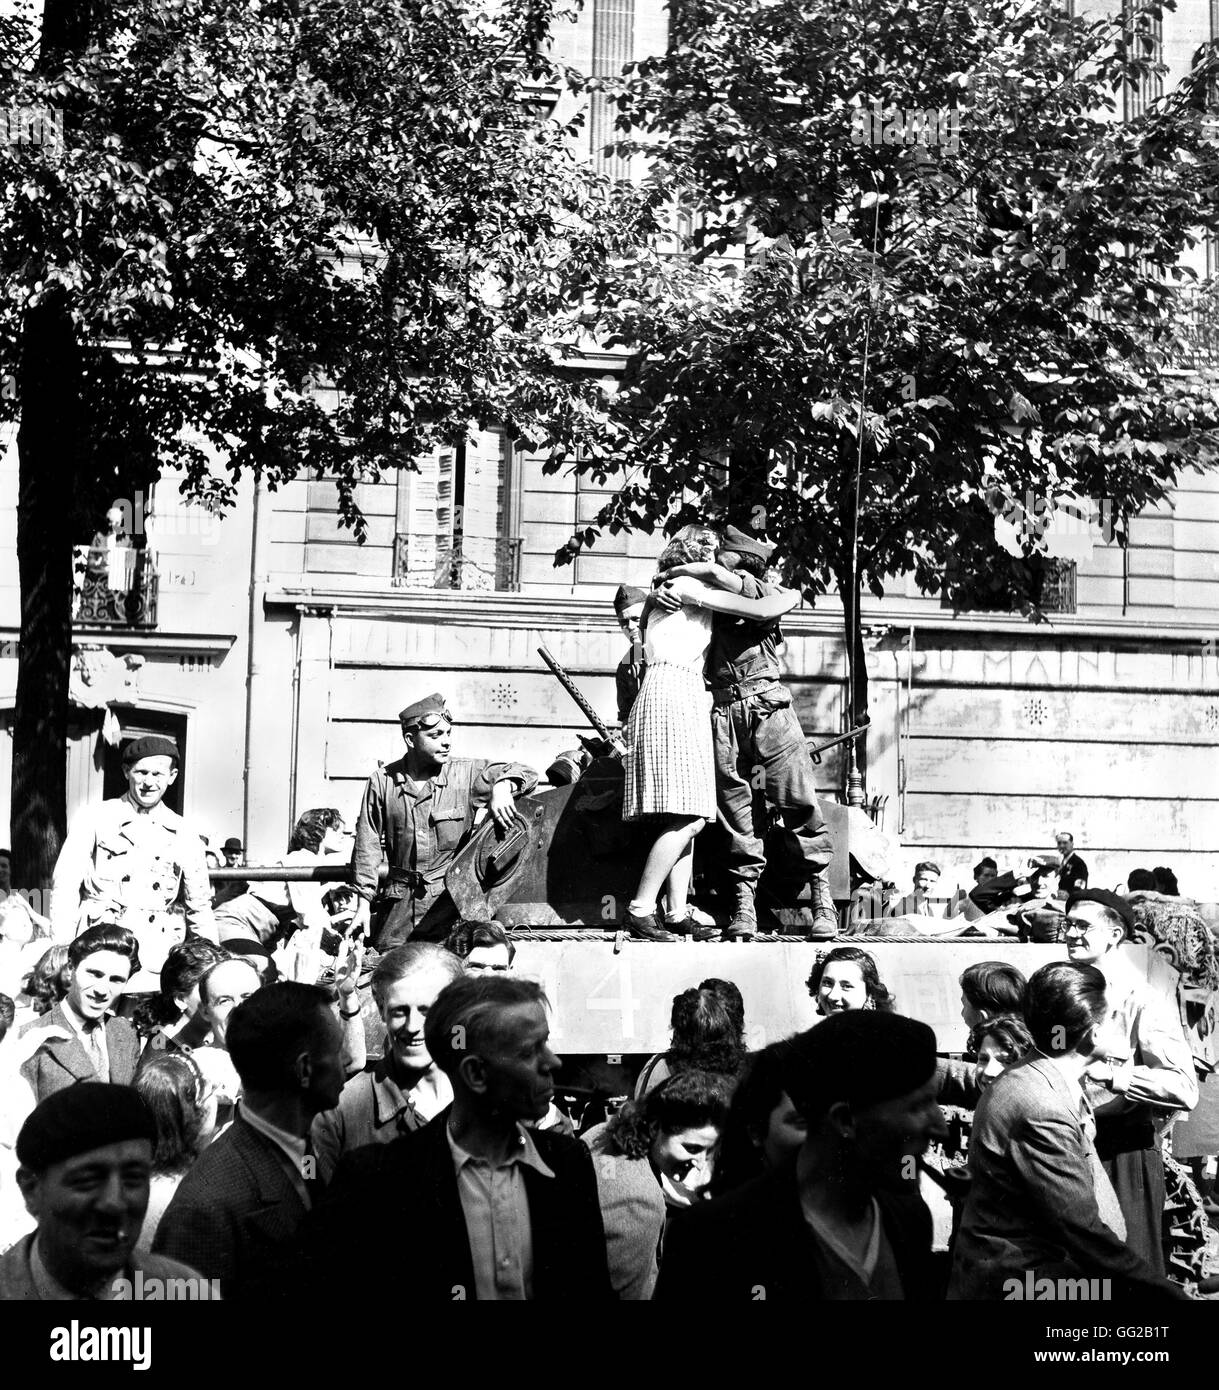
{"x":926,"y":272}
{"x":252,"y":200}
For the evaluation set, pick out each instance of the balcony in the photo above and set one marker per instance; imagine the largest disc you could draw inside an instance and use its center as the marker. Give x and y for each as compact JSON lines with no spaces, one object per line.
{"x":471,"y":564}
{"x":118,"y":589}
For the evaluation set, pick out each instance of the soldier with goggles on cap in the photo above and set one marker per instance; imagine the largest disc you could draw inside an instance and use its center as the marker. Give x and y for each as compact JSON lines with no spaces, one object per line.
{"x":420,"y":810}
{"x":127,"y":860}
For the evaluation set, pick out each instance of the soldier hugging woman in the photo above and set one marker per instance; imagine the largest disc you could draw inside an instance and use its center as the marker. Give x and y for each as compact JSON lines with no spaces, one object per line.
{"x":670,"y":768}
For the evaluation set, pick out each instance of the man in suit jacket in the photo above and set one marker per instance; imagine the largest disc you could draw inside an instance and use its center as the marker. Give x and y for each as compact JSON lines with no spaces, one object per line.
{"x":86,"y":1161}
{"x":1040,"y":1204}
{"x":239,"y":1214}
{"x":82,"y":1042}
{"x":481,"y":1206}
{"x":846,"y":1223}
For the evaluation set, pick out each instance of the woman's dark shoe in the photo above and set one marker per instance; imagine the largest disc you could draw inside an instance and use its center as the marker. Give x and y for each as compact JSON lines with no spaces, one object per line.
{"x":690,"y":926}
{"x":645,"y":928}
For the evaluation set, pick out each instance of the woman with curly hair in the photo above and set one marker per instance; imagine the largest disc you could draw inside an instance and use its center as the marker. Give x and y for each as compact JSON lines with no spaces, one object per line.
{"x":47,"y":983}
{"x":654,"y":1157}
{"x":670,"y":767}
{"x":708,"y":1034}
{"x":846,"y":978}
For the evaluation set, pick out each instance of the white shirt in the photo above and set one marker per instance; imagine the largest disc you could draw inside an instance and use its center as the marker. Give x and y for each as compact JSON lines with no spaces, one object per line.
{"x":495,"y":1204}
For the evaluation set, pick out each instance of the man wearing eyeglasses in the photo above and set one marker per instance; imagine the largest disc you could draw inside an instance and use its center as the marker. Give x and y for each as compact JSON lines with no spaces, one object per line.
{"x":1144,"y":1072}
{"x":417,"y":812}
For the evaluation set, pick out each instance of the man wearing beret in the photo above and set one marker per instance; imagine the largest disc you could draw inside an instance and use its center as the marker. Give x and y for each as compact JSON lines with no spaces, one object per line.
{"x":761,"y":755}
{"x":1144,"y":1075}
{"x":845,"y":1222}
{"x":85,"y":1157}
{"x":628,"y":605}
{"x":418,"y":812}
{"x":128,"y":859}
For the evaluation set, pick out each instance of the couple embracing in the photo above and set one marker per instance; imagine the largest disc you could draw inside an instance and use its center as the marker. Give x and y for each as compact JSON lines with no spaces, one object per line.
{"x":713,"y":620}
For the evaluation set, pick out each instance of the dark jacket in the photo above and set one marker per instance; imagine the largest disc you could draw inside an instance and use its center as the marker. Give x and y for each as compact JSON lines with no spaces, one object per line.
{"x":741,"y":649}
{"x":61,"y":1062}
{"x":754,"y":1244}
{"x":238,"y":1216}
{"x":400,"y":1201}
{"x":1034,"y":1202}
{"x":627,"y":680}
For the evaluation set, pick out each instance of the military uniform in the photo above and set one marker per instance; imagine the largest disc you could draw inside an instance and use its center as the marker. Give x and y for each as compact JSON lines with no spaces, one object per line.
{"x":760,"y":748}
{"x":628,"y":679}
{"x":761,"y":755}
{"x":420,"y":826}
{"x":122,"y":864}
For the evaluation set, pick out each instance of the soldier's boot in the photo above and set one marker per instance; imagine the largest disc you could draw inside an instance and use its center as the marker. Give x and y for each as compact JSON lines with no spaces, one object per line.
{"x":744,"y":923}
{"x":825,"y":914}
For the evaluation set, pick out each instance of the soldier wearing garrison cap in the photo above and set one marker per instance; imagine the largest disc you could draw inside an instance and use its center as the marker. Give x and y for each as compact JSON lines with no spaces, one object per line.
{"x":628,"y":605}
{"x":761,"y":756}
{"x":417,"y":812}
{"x":128,"y":860}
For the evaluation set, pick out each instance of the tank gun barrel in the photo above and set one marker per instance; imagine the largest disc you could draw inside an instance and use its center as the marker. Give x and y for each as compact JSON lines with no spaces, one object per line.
{"x":577,"y":695}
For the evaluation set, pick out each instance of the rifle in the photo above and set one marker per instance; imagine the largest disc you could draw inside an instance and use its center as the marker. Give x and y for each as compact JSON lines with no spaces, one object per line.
{"x":815,"y":753}
{"x":585,"y":708}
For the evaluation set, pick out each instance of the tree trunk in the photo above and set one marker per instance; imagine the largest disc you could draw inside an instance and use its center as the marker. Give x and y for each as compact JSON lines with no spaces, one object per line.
{"x":49,"y":450}
{"x":48,"y":445}
{"x":857,"y":665}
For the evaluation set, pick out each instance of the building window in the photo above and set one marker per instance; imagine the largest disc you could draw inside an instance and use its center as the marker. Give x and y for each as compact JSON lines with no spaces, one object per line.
{"x":115,"y":574}
{"x":450,"y":520}
{"x":1057,"y":590}
{"x":613,"y":44}
{"x":1141,"y":29}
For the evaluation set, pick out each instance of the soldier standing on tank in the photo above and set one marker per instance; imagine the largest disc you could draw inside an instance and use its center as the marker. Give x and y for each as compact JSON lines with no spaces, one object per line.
{"x":420,"y":809}
{"x":761,"y":755}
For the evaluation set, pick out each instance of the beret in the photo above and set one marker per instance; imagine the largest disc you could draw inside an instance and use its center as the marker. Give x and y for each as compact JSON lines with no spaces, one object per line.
{"x":150,"y":746}
{"x":423,"y":709}
{"x":79,"y":1119}
{"x":1108,"y":899}
{"x":735,"y":539}
{"x":862,"y":1057}
{"x":628,"y":595}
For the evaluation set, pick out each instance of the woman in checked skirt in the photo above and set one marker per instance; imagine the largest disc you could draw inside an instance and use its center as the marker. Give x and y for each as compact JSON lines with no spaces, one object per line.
{"x":670,"y":771}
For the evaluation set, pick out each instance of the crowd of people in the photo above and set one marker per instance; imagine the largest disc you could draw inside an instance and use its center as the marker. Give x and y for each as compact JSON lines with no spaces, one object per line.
{"x":794,"y":1172}
{"x":250,"y":1088}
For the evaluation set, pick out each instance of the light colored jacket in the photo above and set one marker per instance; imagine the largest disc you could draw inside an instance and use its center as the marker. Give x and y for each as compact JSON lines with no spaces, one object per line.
{"x":633,"y":1213}
{"x":129,"y":866}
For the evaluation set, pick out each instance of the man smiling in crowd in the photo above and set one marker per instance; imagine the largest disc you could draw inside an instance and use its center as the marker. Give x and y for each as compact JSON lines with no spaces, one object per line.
{"x":86,"y":1162}
{"x":488,"y":1208}
{"x":82,"y":1042}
